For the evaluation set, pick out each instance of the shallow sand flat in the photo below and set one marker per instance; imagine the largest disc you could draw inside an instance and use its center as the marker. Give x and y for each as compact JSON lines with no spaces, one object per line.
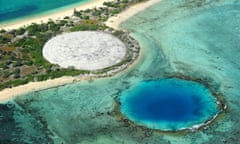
{"x":84,"y":50}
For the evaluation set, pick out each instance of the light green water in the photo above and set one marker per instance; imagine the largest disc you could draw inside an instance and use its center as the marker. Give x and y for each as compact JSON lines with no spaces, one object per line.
{"x":196,"y":38}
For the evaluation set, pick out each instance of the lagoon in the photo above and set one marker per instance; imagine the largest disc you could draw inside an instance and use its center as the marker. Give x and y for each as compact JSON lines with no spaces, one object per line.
{"x":198,"y":39}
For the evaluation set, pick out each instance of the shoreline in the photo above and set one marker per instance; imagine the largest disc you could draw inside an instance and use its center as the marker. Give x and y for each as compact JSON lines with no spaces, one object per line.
{"x":115,"y":21}
{"x":11,"y":93}
{"x":54,"y":15}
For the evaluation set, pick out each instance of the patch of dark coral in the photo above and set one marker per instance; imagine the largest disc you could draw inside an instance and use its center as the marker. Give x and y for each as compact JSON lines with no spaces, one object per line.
{"x":12,"y":131}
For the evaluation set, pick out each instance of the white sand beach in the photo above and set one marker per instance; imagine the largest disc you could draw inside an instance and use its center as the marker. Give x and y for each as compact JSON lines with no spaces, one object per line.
{"x":11,"y":93}
{"x":54,"y":16}
{"x":115,"y":21}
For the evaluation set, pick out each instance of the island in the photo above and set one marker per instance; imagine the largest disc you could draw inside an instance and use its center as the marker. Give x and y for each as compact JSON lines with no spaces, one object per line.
{"x":22,"y":49}
{"x":168,"y":74}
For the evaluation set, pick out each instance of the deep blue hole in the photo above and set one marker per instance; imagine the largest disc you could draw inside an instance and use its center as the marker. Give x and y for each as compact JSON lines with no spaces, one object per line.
{"x":168,"y":103}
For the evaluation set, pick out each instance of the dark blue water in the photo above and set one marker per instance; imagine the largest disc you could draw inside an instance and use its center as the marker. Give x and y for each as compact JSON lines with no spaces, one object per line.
{"x":15,"y":9}
{"x":202,"y":41}
{"x":168,"y":104}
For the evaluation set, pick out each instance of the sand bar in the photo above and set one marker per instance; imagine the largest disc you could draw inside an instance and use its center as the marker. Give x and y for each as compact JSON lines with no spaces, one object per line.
{"x":115,"y":21}
{"x":54,"y":15}
{"x":11,"y":93}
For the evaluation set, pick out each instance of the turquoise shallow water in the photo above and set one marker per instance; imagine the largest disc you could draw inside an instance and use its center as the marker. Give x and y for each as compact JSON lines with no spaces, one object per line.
{"x":196,"y":38}
{"x":16,"y":9}
{"x":168,"y":104}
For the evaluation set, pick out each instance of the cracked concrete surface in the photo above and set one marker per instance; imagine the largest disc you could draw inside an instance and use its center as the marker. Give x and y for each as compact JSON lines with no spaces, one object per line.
{"x":86,"y":50}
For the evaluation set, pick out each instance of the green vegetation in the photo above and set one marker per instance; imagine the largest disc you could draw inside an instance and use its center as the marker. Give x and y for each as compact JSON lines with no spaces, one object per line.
{"x":21,"y":59}
{"x":88,"y":25}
